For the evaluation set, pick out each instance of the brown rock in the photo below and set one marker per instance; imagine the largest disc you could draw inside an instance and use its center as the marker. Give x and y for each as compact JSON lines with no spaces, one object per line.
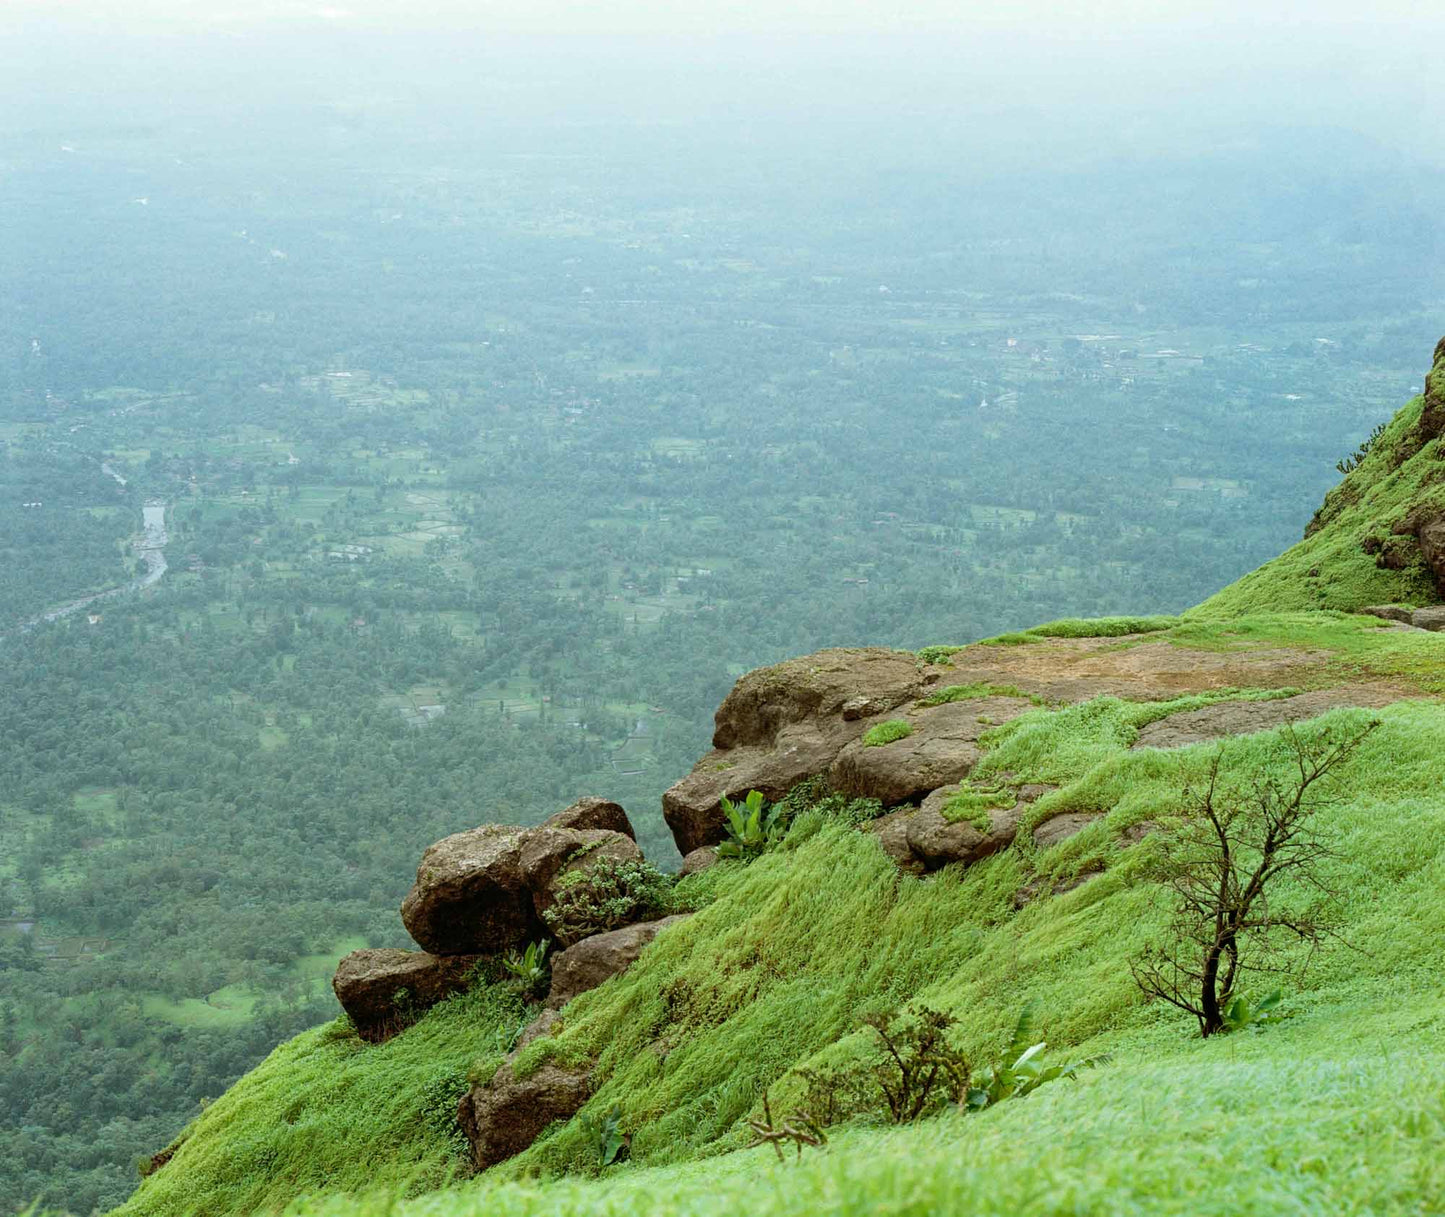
{"x":385,"y":989}
{"x":1063,"y":826}
{"x":938,"y":842}
{"x":697,"y":861}
{"x":1387,"y":612}
{"x":470,"y":896}
{"x":1432,"y":618}
{"x":593,"y":812}
{"x":1243,"y":717}
{"x":549,"y":855}
{"x":593,"y":960}
{"x":815,"y":686}
{"x":693,"y":807}
{"x":1035,"y":887}
{"x":942,"y":749}
{"x":544,"y":1024}
{"x":505,"y":1115}
{"x":892,"y":833}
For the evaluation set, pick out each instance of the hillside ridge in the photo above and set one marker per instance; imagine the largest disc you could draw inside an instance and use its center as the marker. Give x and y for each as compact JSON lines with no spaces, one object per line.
{"x":877,"y":834}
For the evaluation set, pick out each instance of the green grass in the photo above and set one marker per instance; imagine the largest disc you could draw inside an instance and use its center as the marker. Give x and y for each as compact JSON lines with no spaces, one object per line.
{"x":972,"y":692}
{"x":1083,"y":627}
{"x":1330,"y":569}
{"x":886,"y":733}
{"x":1337,"y":1110}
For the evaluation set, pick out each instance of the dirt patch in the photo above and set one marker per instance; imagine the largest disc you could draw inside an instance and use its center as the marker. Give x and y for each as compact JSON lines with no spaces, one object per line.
{"x":1076,"y":669}
{"x":1243,"y":717}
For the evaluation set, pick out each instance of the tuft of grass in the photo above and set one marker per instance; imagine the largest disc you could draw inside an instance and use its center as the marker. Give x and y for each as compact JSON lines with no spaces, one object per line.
{"x":886,"y":733}
{"x":977,"y":689}
{"x":1083,"y":627}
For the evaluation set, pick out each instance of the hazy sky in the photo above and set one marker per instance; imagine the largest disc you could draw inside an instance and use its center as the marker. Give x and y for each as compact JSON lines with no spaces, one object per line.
{"x":1372,"y":68}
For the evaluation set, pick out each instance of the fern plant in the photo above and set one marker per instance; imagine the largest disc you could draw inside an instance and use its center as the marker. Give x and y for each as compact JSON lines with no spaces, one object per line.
{"x":1240,"y":1012}
{"x":751,"y":830}
{"x":529,"y":968}
{"x":607,"y":1137}
{"x":1021,"y":1071}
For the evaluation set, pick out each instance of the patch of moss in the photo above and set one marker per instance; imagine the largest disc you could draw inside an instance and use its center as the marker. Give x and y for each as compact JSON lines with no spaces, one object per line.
{"x":886,"y":733}
{"x":972,"y":692}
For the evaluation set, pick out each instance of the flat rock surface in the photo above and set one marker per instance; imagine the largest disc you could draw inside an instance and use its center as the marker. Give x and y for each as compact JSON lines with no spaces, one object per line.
{"x":943,"y":748}
{"x":1243,"y":717}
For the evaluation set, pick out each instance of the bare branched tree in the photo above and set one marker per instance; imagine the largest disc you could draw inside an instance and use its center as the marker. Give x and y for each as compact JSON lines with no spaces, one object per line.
{"x":1223,"y":864}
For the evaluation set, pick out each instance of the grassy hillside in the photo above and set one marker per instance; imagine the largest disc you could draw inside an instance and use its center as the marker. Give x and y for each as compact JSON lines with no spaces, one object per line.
{"x":1336,"y":1109}
{"x":1351,"y":556}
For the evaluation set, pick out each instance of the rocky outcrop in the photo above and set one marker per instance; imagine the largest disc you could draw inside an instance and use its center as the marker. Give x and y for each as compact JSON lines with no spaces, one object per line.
{"x":925,"y":839}
{"x":601,"y":957}
{"x":1243,"y":717}
{"x":595,"y":813}
{"x":486,"y":891}
{"x":782,"y":724}
{"x":550,"y":856}
{"x":470,"y":894}
{"x":383,"y":990}
{"x":941,"y":748}
{"x":503,"y":1116}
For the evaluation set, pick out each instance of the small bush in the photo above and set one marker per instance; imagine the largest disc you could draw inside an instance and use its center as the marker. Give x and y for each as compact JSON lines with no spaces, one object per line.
{"x":528,"y":969}
{"x":607,"y":895}
{"x":886,"y":733}
{"x":937,"y":654}
{"x":752,"y":827}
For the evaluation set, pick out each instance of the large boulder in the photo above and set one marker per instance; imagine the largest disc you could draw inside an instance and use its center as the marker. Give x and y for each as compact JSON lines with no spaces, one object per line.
{"x":601,"y":957}
{"x":942,"y":748}
{"x":593,"y":812}
{"x":503,"y":1116}
{"x":782,"y":724}
{"x":470,"y":894}
{"x":549,"y":856}
{"x":937,"y":841}
{"x":385,"y":989}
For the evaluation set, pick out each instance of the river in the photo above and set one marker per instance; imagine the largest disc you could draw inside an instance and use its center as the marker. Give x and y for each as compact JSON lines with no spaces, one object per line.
{"x":151,"y":548}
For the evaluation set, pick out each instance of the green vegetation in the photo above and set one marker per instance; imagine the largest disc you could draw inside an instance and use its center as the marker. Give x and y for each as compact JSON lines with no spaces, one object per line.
{"x":751,"y":826}
{"x":887,"y":732}
{"x":528,"y":968}
{"x":1084,"y":627}
{"x":976,"y":690}
{"x":606,"y":894}
{"x":1359,"y":549}
{"x":792,"y":956}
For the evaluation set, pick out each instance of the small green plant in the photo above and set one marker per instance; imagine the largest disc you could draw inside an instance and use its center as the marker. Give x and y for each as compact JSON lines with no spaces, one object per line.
{"x":1241,"y":1012}
{"x":608,"y":894}
{"x":610,"y":1142}
{"x":972,"y":692}
{"x":1021,"y":1071}
{"x":1350,"y":463}
{"x":528,"y":968}
{"x":918,"y":1069}
{"x":886,"y":733}
{"x":750,"y":827}
{"x":936,"y":654}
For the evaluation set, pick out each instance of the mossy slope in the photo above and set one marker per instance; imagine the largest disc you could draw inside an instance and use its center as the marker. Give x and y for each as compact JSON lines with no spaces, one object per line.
{"x":1351,"y":555}
{"x":793,"y":951}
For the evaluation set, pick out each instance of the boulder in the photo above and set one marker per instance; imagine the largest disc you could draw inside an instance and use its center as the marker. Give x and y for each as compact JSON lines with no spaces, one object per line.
{"x":892,"y":833}
{"x":593,"y":960}
{"x":942,"y":749}
{"x":503,"y":1116}
{"x":593,"y":812}
{"x":1387,"y":612}
{"x":817,"y":686}
{"x":470,"y":895}
{"x":698,"y":860}
{"x":384,"y":989}
{"x":782,"y":724}
{"x":544,"y":1024}
{"x":549,"y":855}
{"x":1063,"y":826}
{"x":938,"y":842}
{"x":1432,"y":618}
